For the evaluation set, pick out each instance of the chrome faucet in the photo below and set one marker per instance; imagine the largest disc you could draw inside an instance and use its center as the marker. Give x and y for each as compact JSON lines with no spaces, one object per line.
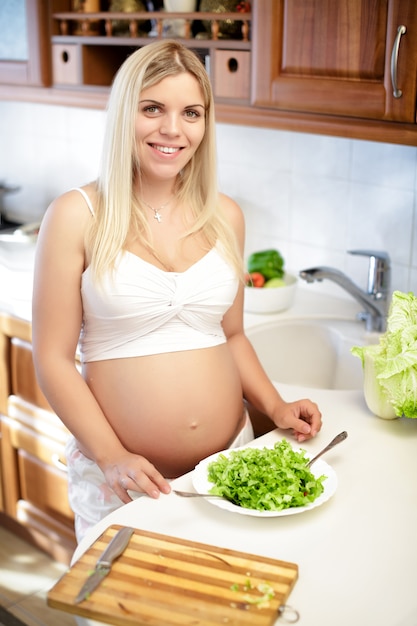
{"x":375,"y":299}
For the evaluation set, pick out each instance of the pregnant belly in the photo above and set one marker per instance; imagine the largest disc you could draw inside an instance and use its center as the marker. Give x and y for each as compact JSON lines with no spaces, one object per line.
{"x":175,"y":408}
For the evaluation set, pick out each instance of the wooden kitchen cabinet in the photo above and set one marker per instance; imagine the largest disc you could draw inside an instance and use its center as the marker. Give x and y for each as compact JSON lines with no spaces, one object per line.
{"x":310,"y":66}
{"x":30,"y":64}
{"x":32,"y":469}
{"x":336,"y":58}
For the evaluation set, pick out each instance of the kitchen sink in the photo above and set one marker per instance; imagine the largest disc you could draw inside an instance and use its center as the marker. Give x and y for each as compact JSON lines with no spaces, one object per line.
{"x":311,"y":352}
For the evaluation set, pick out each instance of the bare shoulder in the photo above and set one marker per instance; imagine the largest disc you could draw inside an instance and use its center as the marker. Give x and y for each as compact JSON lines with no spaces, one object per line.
{"x":235,"y":216}
{"x":231,"y":209}
{"x":75,"y":203}
{"x":70,"y":214}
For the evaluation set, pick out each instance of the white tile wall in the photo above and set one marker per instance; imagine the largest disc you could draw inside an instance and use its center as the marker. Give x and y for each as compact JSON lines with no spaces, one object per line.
{"x":313,"y":197}
{"x":317,"y":197}
{"x":46,"y":150}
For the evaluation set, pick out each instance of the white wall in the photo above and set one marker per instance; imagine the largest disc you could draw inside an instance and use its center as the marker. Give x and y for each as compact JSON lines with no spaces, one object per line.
{"x":313,"y":197}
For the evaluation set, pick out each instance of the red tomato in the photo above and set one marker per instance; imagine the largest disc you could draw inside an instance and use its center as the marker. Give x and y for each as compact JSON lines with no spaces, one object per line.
{"x":255,"y":279}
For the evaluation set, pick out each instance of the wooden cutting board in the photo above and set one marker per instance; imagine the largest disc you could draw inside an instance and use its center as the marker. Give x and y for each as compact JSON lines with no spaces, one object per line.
{"x":166,"y":581}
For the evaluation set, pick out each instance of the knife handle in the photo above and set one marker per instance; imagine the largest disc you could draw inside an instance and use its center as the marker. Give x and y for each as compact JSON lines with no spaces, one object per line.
{"x":116,"y":547}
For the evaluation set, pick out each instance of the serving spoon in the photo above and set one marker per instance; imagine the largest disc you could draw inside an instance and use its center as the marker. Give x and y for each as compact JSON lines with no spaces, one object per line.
{"x":193,"y":494}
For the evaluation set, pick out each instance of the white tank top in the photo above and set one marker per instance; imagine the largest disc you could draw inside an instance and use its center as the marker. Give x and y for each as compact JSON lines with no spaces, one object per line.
{"x":141,"y":310}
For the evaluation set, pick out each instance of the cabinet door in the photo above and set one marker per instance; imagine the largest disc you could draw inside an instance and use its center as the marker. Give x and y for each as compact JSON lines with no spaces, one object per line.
{"x":24,"y":49}
{"x":329,"y":57}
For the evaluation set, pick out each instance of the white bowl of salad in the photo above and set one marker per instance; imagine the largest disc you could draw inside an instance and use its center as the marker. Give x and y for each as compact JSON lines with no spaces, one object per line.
{"x":277,"y":297}
{"x":268,"y":287}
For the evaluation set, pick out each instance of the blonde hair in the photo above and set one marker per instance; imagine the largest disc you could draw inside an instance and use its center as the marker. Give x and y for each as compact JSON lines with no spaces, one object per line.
{"x":117,"y":209}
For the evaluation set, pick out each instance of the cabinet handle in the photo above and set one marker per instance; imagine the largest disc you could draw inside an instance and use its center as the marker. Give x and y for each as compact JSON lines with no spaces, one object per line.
{"x":58,"y":463}
{"x":397,"y":93}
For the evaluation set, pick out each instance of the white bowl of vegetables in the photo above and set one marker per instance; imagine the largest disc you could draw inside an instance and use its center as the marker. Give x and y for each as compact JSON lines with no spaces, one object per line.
{"x":268,"y":287}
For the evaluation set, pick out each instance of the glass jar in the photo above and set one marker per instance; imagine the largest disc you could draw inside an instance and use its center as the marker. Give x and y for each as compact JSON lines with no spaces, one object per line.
{"x":228,"y":29}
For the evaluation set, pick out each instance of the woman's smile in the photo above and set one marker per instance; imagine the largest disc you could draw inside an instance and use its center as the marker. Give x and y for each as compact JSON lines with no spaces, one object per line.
{"x":166,"y":149}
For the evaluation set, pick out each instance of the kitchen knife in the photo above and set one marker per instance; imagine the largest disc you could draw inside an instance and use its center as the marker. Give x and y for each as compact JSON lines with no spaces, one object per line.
{"x":103,"y":566}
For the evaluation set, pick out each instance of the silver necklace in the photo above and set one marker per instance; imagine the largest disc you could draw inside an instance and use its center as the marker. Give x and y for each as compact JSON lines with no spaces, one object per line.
{"x":156,"y":214}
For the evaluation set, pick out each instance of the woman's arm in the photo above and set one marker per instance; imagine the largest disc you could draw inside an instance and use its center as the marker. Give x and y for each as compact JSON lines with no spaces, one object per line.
{"x":302,"y":416}
{"x":56,"y":324}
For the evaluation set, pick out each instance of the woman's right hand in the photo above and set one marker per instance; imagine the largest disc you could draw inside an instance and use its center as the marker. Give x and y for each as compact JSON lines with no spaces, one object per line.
{"x":132,"y":472}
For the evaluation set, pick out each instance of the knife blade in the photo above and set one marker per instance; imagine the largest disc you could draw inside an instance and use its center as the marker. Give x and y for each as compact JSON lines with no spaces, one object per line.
{"x":104,"y":563}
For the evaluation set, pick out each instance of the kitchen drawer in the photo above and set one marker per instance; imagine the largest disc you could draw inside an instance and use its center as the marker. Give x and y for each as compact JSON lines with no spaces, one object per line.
{"x":23,"y":377}
{"x":41,"y":469}
{"x":47,"y":450}
{"x":40,"y":421}
{"x":231,"y":74}
{"x":44,"y":486}
{"x":67,"y":64}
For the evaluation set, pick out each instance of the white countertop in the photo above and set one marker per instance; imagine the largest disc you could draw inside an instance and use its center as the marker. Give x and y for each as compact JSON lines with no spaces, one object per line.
{"x":16,"y":278}
{"x":357,"y":553}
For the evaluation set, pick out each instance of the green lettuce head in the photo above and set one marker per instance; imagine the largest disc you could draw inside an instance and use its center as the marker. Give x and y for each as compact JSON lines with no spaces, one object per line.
{"x":395,"y":358}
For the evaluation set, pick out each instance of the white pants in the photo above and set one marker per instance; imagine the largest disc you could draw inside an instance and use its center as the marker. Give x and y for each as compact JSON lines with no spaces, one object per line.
{"x":89,"y":495}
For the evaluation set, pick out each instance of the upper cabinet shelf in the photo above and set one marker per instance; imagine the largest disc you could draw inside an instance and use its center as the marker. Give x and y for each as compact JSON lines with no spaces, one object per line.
{"x":106,"y":23}
{"x":88,"y":48}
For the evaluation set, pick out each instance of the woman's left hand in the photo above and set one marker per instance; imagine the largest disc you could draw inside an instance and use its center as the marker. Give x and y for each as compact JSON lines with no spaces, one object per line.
{"x":302,"y":416}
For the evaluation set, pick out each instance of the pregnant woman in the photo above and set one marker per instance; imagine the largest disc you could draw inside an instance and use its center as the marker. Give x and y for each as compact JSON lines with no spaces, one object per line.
{"x":142,"y":270}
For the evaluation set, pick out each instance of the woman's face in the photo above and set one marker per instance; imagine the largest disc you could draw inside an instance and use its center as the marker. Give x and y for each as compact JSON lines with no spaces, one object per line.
{"x":170,"y":125}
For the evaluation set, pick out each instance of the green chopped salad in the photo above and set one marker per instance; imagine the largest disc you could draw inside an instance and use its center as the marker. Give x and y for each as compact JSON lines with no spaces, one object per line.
{"x":266,"y":479}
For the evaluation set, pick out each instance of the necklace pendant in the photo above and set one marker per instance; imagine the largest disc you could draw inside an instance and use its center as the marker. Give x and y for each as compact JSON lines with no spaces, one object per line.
{"x":156,"y":214}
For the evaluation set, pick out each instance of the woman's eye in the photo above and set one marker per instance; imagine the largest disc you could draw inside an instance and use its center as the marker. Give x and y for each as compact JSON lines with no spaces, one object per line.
{"x":152,"y":108}
{"x":192,"y":114}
